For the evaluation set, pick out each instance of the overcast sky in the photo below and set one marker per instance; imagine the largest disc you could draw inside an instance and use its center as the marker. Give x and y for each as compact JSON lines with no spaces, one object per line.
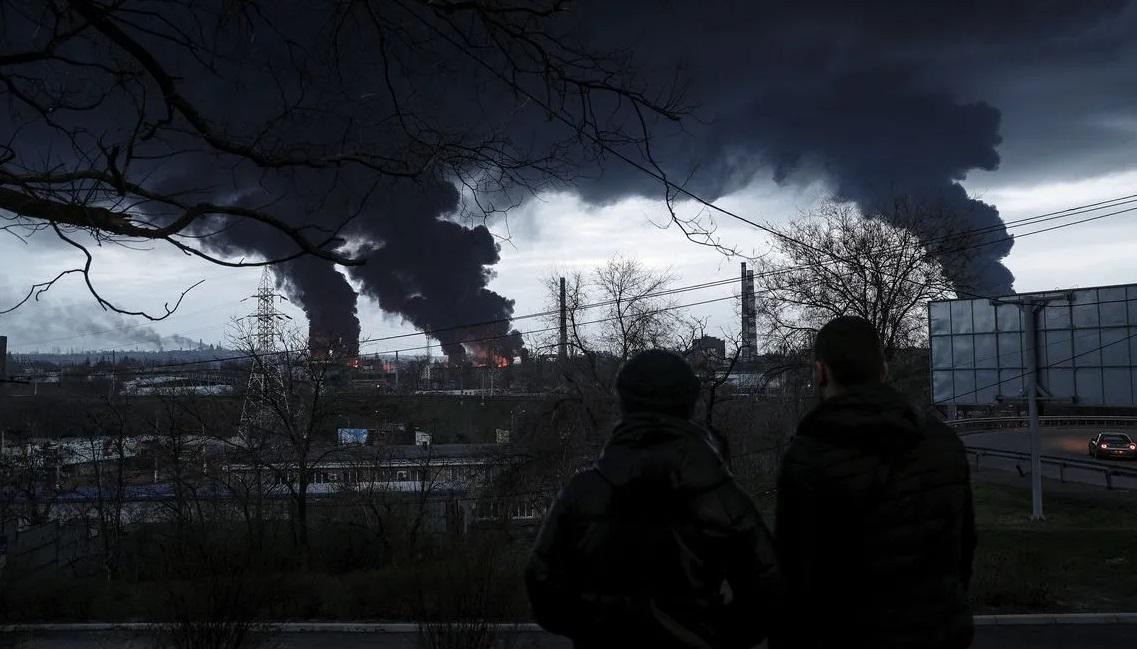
{"x":558,"y":232}
{"x":1066,"y":118}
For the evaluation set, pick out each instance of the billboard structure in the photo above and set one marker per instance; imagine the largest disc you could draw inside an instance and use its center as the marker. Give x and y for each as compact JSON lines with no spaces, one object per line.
{"x":1086,"y":352}
{"x":1076,"y":346}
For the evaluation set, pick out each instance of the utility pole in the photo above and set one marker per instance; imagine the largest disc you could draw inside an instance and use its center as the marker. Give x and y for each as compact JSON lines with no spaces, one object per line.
{"x":1029,"y":308}
{"x":1030,"y":324}
{"x":110,"y":389}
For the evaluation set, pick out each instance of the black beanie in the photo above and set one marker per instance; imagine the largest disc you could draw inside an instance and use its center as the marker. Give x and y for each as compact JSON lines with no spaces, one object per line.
{"x":658,"y":381}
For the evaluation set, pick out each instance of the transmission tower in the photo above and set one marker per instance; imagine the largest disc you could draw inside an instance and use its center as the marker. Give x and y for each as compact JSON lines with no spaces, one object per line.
{"x":265,"y":383}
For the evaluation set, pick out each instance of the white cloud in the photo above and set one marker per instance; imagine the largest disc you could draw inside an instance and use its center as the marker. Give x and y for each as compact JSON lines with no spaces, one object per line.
{"x":1088,"y":254}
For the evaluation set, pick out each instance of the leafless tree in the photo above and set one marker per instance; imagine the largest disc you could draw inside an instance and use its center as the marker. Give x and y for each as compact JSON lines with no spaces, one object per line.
{"x":368,"y":492}
{"x":838,"y":261}
{"x":615,"y":310}
{"x":109,"y":103}
{"x":635,"y":314}
{"x":109,"y":447}
{"x":31,"y":483}
{"x":288,"y":427}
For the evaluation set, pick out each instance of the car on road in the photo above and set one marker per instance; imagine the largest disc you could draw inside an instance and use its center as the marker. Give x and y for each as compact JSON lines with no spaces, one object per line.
{"x":1112,"y":445}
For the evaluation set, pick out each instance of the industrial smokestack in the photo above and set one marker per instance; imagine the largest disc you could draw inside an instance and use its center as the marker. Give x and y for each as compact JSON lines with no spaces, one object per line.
{"x":562,"y":348}
{"x":3,"y":357}
{"x":749,"y":317}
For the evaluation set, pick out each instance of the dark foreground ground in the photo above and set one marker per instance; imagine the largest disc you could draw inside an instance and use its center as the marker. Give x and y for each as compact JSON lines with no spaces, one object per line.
{"x":1073,"y":636}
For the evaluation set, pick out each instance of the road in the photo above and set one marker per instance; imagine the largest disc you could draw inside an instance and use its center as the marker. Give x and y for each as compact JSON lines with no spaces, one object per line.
{"x":1062,"y":442}
{"x":1069,"y":636}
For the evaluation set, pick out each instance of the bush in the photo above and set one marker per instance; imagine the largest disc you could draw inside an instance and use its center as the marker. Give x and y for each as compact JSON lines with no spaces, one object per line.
{"x":1013,"y":581}
{"x":48,"y":598}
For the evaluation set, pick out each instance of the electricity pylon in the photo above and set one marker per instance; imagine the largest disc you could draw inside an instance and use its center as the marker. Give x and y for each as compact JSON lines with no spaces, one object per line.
{"x":266,"y":386}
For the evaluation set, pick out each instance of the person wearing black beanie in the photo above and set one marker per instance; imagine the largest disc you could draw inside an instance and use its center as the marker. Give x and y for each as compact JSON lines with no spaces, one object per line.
{"x":655,"y":545}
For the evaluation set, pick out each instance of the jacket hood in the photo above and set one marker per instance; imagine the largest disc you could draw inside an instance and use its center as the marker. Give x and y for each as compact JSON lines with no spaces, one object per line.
{"x":654,"y":450}
{"x":874,"y":418}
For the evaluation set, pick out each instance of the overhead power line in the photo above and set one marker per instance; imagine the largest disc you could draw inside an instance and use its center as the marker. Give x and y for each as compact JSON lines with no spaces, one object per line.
{"x":150,"y":369}
{"x":733,"y":280}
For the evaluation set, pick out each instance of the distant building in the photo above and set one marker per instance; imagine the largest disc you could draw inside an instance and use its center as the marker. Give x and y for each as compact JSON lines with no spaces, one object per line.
{"x":415,"y":467}
{"x":708,"y":348}
{"x":458,"y":478}
{"x":175,"y":386}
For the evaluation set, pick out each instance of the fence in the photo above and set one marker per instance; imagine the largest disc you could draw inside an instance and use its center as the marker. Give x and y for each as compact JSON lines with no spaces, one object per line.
{"x":1060,"y":421}
{"x":1109,"y":471}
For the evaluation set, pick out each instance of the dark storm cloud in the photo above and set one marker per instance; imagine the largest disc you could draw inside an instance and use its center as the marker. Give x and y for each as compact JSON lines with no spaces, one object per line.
{"x":877,"y":98}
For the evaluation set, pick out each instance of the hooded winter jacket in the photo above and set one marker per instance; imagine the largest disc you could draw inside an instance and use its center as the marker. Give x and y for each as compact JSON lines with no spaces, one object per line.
{"x":654,"y":546}
{"x":875,"y":527}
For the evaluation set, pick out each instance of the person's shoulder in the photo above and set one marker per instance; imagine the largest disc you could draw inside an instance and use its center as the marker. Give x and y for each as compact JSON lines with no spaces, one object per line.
{"x":942,"y":451}
{"x":941,"y":434}
{"x":587,"y":485}
{"x":805,"y":459}
{"x":587,"y":476}
{"x":813,"y":442}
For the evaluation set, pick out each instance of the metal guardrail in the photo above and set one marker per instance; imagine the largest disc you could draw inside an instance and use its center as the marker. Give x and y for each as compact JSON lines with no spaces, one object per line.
{"x":1108,"y":470}
{"x":990,"y":423}
{"x":1019,"y":620}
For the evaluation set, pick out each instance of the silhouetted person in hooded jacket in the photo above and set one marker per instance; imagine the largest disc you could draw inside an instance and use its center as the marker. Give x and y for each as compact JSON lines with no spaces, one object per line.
{"x":875,"y":526}
{"x":655,"y":546}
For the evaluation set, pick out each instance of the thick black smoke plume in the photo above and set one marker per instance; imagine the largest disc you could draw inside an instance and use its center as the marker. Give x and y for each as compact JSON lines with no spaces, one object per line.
{"x":329,"y":303}
{"x":315,"y":285}
{"x":421,"y":265}
{"x":433,"y":271}
{"x":874,"y":97}
{"x":834,"y":90}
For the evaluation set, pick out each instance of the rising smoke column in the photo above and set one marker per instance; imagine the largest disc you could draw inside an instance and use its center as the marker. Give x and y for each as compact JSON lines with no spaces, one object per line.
{"x":327,"y":300}
{"x":419,"y":264}
{"x":433,"y":271}
{"x":315,"y":285}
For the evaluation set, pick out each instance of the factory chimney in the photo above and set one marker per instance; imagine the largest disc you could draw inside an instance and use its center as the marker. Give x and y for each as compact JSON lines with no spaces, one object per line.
{"x":562,"y":348}
{"x":749,"y":318}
